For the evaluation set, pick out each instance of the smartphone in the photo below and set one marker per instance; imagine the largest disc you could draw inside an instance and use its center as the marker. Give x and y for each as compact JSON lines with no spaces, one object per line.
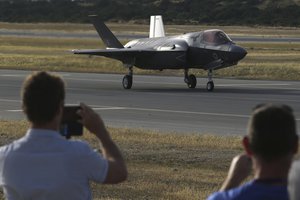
{"x":69,"y":123}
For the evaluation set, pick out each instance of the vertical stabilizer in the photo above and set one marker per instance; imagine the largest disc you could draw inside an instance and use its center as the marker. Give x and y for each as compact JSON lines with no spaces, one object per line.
{"x":156,"y":27}
{"x":106,"y":35}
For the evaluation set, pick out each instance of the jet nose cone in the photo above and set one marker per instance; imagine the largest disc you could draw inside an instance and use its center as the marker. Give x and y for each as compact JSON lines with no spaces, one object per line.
{"x":237,"y":52}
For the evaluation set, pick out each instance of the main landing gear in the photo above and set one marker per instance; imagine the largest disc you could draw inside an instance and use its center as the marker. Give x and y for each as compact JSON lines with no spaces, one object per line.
{"x":127,"y":79}
{"x":191,"y":80}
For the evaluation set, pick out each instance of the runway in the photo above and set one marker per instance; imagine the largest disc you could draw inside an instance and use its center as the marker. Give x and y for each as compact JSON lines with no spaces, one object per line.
{"x":120,"y":36}
{"x":162,"y":103}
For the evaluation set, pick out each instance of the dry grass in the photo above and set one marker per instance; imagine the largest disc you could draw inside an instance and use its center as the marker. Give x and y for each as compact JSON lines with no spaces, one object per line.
{"x":144,"y":28}
{"x":161,"y":166}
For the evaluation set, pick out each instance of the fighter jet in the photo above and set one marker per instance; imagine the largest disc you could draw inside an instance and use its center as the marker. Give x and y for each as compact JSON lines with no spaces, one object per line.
{"x":208,"y":50}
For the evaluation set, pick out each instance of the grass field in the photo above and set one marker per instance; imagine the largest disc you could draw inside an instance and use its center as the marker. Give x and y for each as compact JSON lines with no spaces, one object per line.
{"x":264,"y":60}
{"x":144,"y":28}
{"x":161,"y":166}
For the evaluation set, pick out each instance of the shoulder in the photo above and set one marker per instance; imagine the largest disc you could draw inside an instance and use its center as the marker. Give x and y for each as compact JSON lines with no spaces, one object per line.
{"x":5,"y":149}
{"x":9,"y":147}
{"x":252,"y":190}
{"x":295,"y":168}
{"x":78,"y":146}
{"x":294,"y":181}
{"x":234,"y":193}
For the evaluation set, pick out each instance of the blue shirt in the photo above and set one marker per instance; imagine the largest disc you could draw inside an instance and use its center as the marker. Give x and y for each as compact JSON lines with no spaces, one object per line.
{"x":253,"y":190}
{"x":44,"y":165}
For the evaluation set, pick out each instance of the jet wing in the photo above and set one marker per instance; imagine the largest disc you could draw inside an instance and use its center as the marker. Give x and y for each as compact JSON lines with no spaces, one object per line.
{"x":111,"y":52}
{"x":123,"y":54}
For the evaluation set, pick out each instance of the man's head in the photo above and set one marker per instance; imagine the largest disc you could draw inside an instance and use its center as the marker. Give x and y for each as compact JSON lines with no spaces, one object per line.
{"x":272,"y":132}
{"x":43,"y":96}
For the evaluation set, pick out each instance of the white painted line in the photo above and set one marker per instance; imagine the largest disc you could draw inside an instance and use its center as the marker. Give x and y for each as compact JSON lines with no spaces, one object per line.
{"x":10,"y":100}
{"x":254,"y":84}
{"x":14,"y":110}
{"x":110,"y":108}
{"x":120,"y":81}
{"x":95,"y":107}
{"x":92,"y":80}
{"x":167,"y":111}
{"x":179,"y":83}
{"x":12,"y":75}
{"x":190,"y":112}
{"x":161,"y":110}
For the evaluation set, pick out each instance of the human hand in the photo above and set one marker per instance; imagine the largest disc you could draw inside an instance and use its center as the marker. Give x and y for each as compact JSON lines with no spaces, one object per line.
{"x":91,"y":120}
{"x":239,"y":170}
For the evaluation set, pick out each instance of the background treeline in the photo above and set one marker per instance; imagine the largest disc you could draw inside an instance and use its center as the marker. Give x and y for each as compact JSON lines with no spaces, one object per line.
{"x":222,"y":12}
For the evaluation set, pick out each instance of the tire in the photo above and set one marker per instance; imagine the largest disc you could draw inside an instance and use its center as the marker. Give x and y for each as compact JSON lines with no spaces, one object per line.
{"x":127,"y":82}
{"x":210,"y":86}
{"x":192,"y":81}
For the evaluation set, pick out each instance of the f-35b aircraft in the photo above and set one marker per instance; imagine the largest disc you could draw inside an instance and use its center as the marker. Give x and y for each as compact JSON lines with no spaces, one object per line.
{"x":209,"y":50}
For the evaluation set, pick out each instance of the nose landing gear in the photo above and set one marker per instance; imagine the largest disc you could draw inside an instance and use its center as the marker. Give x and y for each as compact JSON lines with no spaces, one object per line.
{"x":210,"y":84}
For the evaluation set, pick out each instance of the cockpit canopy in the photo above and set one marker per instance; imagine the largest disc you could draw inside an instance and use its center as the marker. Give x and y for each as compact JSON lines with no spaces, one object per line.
{"x":215,"y":37}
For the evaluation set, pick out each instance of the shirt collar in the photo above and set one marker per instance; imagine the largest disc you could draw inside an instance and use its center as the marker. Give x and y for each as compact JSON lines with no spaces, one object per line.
{"x":32,"y":132}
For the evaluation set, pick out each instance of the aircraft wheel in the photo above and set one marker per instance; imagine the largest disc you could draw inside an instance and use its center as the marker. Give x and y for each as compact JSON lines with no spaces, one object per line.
{"x":210,"y":86}
{"x":192,"y":81}
{"x":127,"y":82}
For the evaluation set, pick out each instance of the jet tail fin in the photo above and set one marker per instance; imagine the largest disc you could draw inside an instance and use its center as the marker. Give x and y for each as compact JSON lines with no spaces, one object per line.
{"x":106,"y":35}
{"x":156,"y":27}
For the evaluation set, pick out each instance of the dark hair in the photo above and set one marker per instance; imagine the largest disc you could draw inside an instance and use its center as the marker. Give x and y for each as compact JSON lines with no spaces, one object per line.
{"x":42,"y":95}
{"x":272,"y":131}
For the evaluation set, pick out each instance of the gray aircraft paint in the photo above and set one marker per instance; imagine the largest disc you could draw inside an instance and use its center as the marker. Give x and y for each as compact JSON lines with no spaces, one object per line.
{"x":209,"y":50}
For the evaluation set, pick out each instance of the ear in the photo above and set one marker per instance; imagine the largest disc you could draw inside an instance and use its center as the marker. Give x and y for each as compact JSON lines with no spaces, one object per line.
{"x":247,"y":147}
{"x":61,"y":108}
{"x":296,"y":145}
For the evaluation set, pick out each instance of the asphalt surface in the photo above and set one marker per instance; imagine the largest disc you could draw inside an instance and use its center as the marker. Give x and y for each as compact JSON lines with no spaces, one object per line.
{"x":162,"y":103}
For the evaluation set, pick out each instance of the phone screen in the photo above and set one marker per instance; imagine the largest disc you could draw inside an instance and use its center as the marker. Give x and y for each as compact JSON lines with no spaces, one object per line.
{"x":69,"y":124}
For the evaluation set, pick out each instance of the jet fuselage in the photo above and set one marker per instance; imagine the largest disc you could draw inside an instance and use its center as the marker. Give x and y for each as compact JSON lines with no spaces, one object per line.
{"x":204,"y":50}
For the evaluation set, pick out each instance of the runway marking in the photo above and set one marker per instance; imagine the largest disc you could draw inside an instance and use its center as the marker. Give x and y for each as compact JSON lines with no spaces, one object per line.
{"x":155,"y":110}
{"x":110,"y":108}
{"x":95,"y":107}
{"x":263,"y":84}
{"x":10,"y":100}
{"x":239,"y":85}
{"x":189,"y":112}
{"x":168,"y":111}
{"x":12,"y":75}
{"x":14,"y":110}
{"x":166,"y":83}
{"x":119,"y":81}
{"x":255,"y":84}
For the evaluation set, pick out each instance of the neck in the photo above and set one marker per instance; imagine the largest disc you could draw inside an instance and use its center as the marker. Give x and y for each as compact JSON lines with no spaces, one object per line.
{"x":49,"y":126}
{"x":277,"y":169}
